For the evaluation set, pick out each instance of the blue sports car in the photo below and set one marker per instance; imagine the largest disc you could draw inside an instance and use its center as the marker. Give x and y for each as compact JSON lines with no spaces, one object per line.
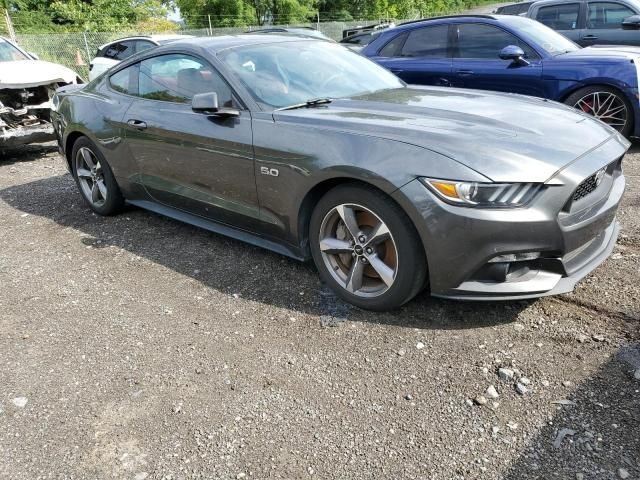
{"x":518,"y":55}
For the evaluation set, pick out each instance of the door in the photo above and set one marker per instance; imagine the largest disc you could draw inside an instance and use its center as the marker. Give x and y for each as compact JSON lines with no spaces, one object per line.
{"x":476,"y":62}
{"x":195,"y":162}
{"x":604,"y":25}
{"x":419,"y":56}
{"x":565,"y":18}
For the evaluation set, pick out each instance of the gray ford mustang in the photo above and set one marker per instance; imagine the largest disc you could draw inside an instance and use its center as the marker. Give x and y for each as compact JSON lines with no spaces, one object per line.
{"x":308,"y":149}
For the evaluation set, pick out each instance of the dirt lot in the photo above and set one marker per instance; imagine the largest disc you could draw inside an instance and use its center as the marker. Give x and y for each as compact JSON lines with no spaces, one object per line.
{"x":137,"y":347}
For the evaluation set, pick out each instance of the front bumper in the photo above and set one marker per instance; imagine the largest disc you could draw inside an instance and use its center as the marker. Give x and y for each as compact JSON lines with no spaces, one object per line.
{"x":23,"y":135}
{"x":572,"y":237}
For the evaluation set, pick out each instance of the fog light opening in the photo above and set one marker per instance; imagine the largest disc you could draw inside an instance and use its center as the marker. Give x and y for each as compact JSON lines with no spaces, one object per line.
{"x":516,"y":257}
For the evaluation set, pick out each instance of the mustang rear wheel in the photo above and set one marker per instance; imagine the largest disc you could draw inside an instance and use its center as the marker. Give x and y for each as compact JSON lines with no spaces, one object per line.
{"x":95,"y":178}
{"x":605,"y":104}
{"x":366,"y":248}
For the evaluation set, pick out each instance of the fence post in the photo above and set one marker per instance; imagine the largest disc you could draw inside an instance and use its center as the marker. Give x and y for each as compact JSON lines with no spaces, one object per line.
{"x":210,"y":28}
{"x":86,"y":45}
{"x":10,"y":30}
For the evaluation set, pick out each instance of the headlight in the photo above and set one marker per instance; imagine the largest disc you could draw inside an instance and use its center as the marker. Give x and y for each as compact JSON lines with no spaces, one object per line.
{"x":486,"y":195}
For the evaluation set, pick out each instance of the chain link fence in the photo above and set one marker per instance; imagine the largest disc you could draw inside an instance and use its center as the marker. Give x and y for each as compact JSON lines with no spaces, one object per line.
{"x":76,"y":50}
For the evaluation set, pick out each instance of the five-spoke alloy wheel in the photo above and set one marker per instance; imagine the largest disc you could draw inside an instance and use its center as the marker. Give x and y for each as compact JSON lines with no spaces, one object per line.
{"x":358,"y":249}
{"x":90,"y":177}
{"x":95,"y":178}
{"x":367,"y":250}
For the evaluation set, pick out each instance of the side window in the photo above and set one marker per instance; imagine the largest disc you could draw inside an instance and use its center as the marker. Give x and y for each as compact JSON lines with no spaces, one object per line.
{"x":426,"y":42}
{"x":142,"y":45}
{"x":486,"y":41}
{"x":560,"y":17}
{"x":125,"y":81}
{"x":607,"y":15}
{"x":120,"y":50}
{"x":177,"y":78}
{"x":392,"y":48}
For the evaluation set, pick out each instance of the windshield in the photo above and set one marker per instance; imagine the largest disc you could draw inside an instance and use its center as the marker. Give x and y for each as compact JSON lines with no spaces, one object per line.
{"x":9,"y":53}
{"x":289,"y":73}
{"x":550,"y":40}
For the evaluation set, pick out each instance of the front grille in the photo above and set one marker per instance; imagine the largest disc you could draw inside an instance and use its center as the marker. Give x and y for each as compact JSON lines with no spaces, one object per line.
{"x":585,"y":188}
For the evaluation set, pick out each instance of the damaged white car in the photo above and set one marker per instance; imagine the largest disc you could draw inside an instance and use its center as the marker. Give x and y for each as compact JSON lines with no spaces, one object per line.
{"x":26,"y":88}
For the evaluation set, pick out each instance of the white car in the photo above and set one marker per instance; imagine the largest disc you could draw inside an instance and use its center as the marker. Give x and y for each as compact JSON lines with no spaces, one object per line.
{"x":111,"y":54}
{"x":26,"y":88}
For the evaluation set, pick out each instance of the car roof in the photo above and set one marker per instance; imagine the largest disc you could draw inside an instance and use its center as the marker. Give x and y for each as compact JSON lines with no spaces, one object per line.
{"x":553,"y":2}
{"x":217,"y":44}
{"x":153,"y":38}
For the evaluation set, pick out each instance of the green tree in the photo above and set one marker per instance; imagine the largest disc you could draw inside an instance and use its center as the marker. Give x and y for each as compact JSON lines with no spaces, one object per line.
{"x":37,"y":16}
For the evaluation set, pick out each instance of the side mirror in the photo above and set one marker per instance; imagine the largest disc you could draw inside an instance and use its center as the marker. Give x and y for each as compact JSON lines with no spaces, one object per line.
{"x":515,"y":54}
{"x":631,"y":23}
{"x":34,"y":55}
{"x":208,"y":103}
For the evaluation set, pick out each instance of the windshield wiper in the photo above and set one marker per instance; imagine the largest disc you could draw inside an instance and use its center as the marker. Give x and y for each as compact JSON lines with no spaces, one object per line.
{"x":314,"y":102}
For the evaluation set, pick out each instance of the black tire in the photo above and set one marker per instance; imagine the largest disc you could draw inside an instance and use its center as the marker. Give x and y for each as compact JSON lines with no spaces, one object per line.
{"x":573,"y":99}
{"x":114,"y":201}
{"x":408,"y":258}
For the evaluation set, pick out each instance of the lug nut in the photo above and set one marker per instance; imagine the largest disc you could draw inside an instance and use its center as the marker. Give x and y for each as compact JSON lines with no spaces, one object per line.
{"x":369,"y":250}
{"x":362,"y":238}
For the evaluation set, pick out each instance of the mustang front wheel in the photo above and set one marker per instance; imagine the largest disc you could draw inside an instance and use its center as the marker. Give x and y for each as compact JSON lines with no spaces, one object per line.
{"x":366,"y":248}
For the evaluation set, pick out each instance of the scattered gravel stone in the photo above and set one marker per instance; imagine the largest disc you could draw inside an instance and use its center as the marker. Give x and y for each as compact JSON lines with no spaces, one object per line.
{"x":408,"y":397}
{"x":521,"y":389}
{"x":564,"y":402}
{"x":623,"y":473}
{"x":491,"y":392}
{"x":582,"y":338}
{"x":20,"y":402}
{"x":469,"y":402}
{"x":545,"y":383}
{"x":567,"y":383}
{"x":401,"y":352}
{"x":579,"y":476}
{"x":241,"y":475}
{"x":525,"y":381}
{"x":518,"y":327}
{"x":598,"y":338}
{"x":420,"y":345}
{"x":637,"y":374}
{"x":505,"y":374}
{"x":480,"y":400}
{"x":560,"y":437}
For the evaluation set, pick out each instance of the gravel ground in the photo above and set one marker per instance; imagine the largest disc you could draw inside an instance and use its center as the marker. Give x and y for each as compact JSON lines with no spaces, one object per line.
{"x":138,"y":347}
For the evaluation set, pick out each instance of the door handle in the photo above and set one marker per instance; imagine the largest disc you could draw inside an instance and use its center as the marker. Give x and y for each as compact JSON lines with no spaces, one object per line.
{"x":465,"y":73}
{"x":443,"y":82}
{"x":396,"y":71}
{"x":137,"y":124}
{"x":590,"y":37}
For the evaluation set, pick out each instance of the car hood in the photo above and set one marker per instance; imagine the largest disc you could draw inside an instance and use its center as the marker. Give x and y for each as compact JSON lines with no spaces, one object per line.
{"x":505,"y":137}
{"x":33,"y":73}
{"x":603,"y":53}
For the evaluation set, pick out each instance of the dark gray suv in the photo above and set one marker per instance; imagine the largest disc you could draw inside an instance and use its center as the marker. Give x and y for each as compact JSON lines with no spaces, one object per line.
{"x":589,"y":22}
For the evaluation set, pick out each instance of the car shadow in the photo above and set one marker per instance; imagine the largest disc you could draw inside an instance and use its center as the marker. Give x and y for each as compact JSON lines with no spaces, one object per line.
{"x":595,"y":432}
{"x":233,"y":267}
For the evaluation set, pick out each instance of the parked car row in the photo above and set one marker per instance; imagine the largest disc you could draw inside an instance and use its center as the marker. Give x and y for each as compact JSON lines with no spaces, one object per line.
{"x":314,"y":151}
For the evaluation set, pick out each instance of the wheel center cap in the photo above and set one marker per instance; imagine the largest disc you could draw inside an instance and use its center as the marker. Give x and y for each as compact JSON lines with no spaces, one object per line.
{"x":358,"y":249}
